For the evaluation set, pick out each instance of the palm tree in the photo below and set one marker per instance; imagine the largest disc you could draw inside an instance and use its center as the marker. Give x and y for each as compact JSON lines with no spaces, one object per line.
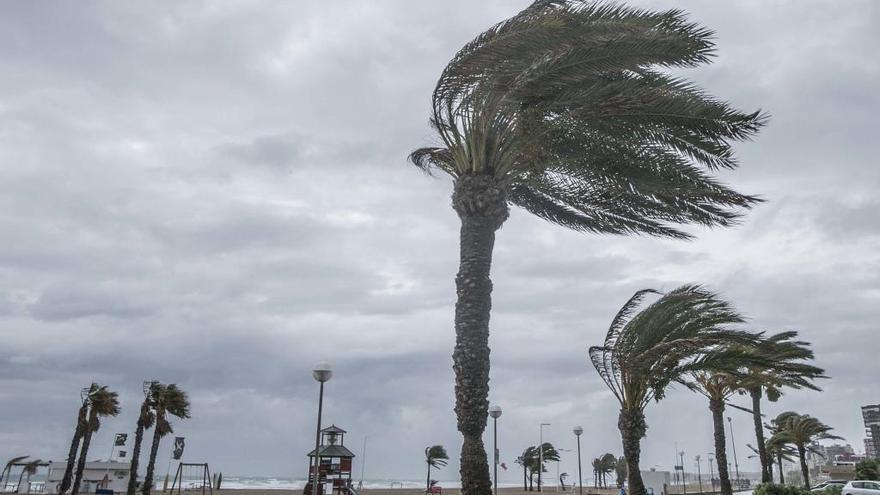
{"x":145,"y":421}
{"x":620,"y":471}
{"x":547,"y":452}
{"x":166,"y":400}
{"x":8,"y":469}
{"x":524,"y":460}
{"x":28,"y":469}
{"x":436,"y":457}
{"x":609,"y":464}
{"x":645,"y":351}
{"x":717,"y":386}
{"x":102,"y":403}
{"x":776,"y":452}
{"x":786,"y":367}
{"x":564,"y":110}
{"x":597,"y":468}
{"x":78,"y":431}
{"x":801,"y":430}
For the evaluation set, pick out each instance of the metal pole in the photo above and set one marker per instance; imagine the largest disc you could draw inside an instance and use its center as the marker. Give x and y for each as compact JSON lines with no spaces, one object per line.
{"x":699,"y":475}
{"x":733,"y":443}
{"x":684,"y":486}
{"x":540,"y":455}
{"x":580,"y":479}
{"x":318,"y":441}
{"x":495,"y":468}
{"x":711,"y":473}
{"x":363,"y":463}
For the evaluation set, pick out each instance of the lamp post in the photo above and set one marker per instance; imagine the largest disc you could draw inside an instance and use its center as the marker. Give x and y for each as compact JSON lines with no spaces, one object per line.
{"x":733,"y":443}
{"x":322,"y":372}
{"x":541,"y":455}
{"x":495,"y":413}
{"x":711,"y":472}
{"x":577,"y":432}
{"x":699,"y":474}
{"x":684,"y":486}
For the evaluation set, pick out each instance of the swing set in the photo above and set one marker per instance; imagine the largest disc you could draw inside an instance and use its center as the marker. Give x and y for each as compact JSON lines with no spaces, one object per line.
{"x":196,"y":476}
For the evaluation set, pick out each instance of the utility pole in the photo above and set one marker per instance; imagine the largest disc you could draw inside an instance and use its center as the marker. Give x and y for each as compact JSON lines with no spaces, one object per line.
{"x":733,"y":443}
{"x":684,"y":486}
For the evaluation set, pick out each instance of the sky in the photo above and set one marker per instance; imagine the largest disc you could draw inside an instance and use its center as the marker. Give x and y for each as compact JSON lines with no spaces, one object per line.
{"x":216,"y":194}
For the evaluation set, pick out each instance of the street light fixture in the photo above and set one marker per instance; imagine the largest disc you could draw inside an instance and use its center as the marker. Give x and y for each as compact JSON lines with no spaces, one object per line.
{"x":322,"y":372}
{"x":541,"y":455}
{"x":495,"y":413}
{"x":711,"y":471}
{"x":577,"y":432}
{"x":733,"y":443}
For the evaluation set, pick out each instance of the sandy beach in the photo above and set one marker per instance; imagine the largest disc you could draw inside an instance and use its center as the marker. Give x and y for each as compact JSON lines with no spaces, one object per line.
{"x":412,"y":491}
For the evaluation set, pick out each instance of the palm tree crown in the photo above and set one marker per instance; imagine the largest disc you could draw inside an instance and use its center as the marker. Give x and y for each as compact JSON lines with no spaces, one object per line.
{"x":801,"y":430}
{"x":566,"y":108}
{"x":436,"y":456}
{"x":645,"y":351}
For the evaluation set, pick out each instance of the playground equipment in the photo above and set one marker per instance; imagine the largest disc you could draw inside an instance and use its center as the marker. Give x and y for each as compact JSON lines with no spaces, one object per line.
{"x":196,"y":476}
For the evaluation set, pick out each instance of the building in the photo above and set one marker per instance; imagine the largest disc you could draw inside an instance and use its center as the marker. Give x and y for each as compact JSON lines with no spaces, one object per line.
{"x":871,"y":417}
{"x":837,"y":453}
{"x":97,"y":474}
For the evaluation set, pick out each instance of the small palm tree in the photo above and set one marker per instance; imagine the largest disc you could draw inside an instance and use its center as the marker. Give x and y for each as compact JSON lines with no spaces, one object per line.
{"x":786,"y":367}
{"x":166,"y":400}
{"x":524,"y":460}
{"x":620,"y":471}
{"x":145,"y":421}
{"x":547,"y":452}
{"x":647,"y":350}
{"x":776,"y":452}
{"x":607,"y":464}
{"x":801,"y":430}
{"x":435,"y":457}
{"x":7,"y":469}
{"x":28,"y":469}
{"x":597,"y":468}
{"x":78,"y":431}
{"x":102,"y":403}
{"x":564,"y":110}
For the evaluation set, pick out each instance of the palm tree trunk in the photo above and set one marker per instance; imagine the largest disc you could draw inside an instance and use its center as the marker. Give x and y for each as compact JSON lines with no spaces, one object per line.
{"x":74,"y":444}
{"x":136,"y":452}
{"x":428,"y":481}
{"x":766,"y":477}
{"x":781,"y":471}
{"x":151,"y":465}
{"x":770,"y":469}
{"x":90,"y":428}
{"x":805,"y":471}
{"x":531,"y":480}
{"x":525,"y":484}
{"x":481,"y":205}
{"x":717,"y":408}
{"x":20,"y":477}
{"x":632,"y":429}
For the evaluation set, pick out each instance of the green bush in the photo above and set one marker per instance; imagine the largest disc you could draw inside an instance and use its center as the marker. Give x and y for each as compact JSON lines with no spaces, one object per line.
{"x":869,"y":469}
{"x":775,"y":489}
{"x":831,"y":490}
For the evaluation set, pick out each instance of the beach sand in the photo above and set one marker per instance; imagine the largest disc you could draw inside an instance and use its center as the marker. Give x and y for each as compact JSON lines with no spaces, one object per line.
{"x":409,"y":491}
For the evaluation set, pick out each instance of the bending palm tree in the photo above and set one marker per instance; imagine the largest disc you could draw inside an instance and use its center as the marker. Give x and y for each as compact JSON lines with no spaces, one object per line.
{"x":166,"y":400}
{"x":7,"y":469}
{"x":28,"y":469}
{"x":646,"y":351}
{"x":524,"y":460}
{"x":801,"y":430}
{"x":79,"y":430}
{"x":564,"y":111}
{"x":145,"y":421}
{"x":436,"y":457}
{"x":717,"y":387}
{"x":786,"y":367}
{"x":547,"y":452}
{"x":102,"y":403}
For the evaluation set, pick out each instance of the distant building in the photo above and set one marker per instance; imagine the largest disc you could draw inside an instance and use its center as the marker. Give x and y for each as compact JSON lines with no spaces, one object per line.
{"x":871,"y":416}
{"x":97,"y":474}
{"x":837,"y":453}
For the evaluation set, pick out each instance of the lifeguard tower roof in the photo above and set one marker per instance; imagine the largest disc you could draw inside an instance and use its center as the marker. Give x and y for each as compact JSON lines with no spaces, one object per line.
{"x":333,"y":451}
{"x":333,"y":429}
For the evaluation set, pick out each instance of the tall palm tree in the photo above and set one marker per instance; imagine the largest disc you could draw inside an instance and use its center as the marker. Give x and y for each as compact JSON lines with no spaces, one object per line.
{"x":102,"y":403}
{"x":436,"y":457}
{"x":785,"y":366}
{"x":801,"y":430}
{"x":564,"y":110}
{"x":145,"y":421}
{"x":78,"y":431}
{"x":7,"y":469}
{"x":166,"y":400}
{"x":646,"y":350}
{"x":718,"y":387}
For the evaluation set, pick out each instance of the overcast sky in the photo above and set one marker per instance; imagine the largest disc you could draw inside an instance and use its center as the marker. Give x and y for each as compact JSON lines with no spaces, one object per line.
{"x":216,"y":194}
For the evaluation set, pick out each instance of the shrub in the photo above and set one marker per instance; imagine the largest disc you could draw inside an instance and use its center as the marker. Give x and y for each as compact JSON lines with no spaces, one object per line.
{"x":869,"y":469}
{"x":776,"y":489}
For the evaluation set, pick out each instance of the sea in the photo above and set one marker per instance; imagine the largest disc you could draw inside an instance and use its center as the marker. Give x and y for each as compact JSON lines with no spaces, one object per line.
{"x":282,"y":483}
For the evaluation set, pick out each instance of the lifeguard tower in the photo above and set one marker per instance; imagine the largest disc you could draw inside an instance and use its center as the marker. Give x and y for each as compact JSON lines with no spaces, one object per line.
{"x":335,"y":464}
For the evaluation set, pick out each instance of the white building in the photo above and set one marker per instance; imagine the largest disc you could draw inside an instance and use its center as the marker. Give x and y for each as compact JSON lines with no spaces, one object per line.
{"x":97,"y":474}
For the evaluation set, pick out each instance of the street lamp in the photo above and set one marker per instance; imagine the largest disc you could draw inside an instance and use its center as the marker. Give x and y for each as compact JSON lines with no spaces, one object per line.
{"x":733,"y":443}
{"x":495,"y":413}
{"x":711,"y":472}
{"x":699,"y":474}
{"x":541,"y":455}
{"x":684,"y":485}
{"x":577,"y":432}
{"x":322,"y":373}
